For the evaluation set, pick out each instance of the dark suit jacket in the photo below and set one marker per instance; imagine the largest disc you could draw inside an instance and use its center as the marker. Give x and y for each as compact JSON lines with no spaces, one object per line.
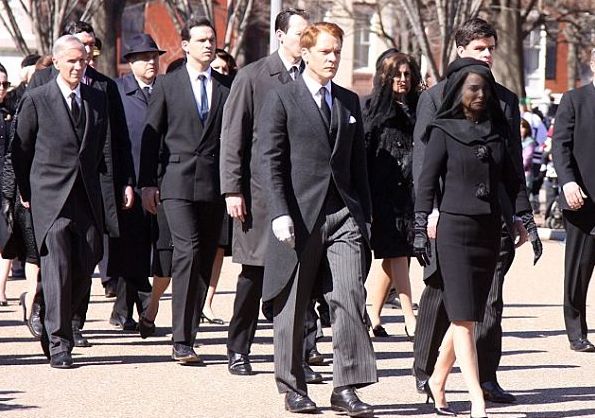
{"x":119,"y":170}
{"x":573,"y":144}
{"x":47,"y":157}
{"x":429,"y":102}
{"x":296,"y":155}
{"x":189,"y":152}
{"x":240,"y":164}
{"x":469,"y":183}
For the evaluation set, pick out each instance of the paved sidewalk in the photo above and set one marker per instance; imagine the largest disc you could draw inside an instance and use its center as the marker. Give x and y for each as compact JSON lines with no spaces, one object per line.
{"x":124,"y":376}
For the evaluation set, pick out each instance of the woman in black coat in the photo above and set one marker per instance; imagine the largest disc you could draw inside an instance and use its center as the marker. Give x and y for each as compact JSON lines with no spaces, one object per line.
{"x":16,"y":227}
{"x":466,"y":152}
{"x":389,"y":120}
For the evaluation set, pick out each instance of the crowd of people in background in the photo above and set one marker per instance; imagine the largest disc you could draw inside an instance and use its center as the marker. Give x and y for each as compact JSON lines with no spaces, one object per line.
{"x":164,"y":173}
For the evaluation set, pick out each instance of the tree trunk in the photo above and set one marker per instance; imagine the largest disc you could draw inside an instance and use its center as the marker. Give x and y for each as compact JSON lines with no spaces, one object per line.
{"x":107,"y":22}
{"x":509,"y":64}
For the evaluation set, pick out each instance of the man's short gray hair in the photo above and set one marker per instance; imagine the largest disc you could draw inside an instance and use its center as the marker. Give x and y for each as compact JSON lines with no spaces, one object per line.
{"x":66,"y":42}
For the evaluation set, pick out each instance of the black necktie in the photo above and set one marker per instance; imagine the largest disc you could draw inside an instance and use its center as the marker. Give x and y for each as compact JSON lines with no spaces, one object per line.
{"x":204,"y":101}
{"x":74,"y":107}
{"x":324,"y":107}
{"x":147,"y":91}
{"x":294,"y":71}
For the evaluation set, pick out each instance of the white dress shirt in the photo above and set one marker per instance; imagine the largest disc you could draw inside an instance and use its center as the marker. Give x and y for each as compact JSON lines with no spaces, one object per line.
{"x":314,"y":89}
{"x":196,"y":84}
{"x":288,"y":64}
{"x":67,"y":91}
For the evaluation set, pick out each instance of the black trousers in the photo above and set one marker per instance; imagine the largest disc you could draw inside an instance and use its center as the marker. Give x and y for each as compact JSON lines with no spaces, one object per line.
{"x":244,"y":321}
{"x":579,"y":260}
{"x":128,"y":295}
{"x":133,"y":290}
{"x":195,"y":229}
{"x":432,"y":321}
{"x":74,"y":247}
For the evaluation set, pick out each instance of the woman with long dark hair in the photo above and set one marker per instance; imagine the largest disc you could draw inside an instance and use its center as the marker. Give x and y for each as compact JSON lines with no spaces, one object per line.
{"x":467,"y":151}
{"x":389,"y":121}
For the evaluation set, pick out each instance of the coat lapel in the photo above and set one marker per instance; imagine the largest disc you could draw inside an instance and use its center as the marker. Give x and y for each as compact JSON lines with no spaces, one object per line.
{"x":58,"y":104}
{"x":131,"y":88}
{"x":88,"y":119}
{"x":311,"y":112}
{"x":340,"y":116}
{"x":187,"y":94}
{"x":277,"y":69}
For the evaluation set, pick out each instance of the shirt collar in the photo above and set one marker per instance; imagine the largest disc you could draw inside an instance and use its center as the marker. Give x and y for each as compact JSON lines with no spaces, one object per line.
{"x":313,"y":85}
{"x":66,"y":90}
{"x":194,"y":74}
{"x":142,"y":84}
{"x":287,"y":64}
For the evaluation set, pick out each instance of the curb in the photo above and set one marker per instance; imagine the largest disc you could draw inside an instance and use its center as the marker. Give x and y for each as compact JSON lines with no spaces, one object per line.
{"x":547,"y":234}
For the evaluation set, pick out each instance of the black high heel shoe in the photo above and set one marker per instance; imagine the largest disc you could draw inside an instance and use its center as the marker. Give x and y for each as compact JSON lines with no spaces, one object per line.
{"x":446,"y":412}
{"x":215,"y":321}
{"x":380,"y":332}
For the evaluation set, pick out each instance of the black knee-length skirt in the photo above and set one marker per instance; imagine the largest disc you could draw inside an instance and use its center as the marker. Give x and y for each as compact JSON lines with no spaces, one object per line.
{"x":467,"y":248}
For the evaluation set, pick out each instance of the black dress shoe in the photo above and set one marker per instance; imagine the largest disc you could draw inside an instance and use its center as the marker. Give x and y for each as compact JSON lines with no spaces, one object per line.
{"x":301,"y":404}
{"x":145,"y":327}
{"x":126,"y":324}
{"x":111,"y":288}
{"x":238,"y":364}
{"x":314,"y":358}
{"x":310,"y":375}
{"x":185,"y":354}
{"x":582,"y":345}
{"x":494,"y":393}
{"x":344,"y":399}
{"x":34,"y":321}
{"x":62,"y":360}
{"x":77,"y":337}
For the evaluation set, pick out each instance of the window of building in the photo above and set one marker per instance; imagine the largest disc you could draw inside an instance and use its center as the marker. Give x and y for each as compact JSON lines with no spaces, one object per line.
{"x":361,"y":39}
{"x":551,"y":50}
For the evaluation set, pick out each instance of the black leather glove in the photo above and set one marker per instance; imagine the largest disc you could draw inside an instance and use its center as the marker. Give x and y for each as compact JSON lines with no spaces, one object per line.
{"x":529,"y":224}
{"x":422,"y":249}
{"x":8,"y":212}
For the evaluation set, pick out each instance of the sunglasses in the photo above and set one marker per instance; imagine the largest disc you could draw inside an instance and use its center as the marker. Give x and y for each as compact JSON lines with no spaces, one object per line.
{"x":5,"y":84}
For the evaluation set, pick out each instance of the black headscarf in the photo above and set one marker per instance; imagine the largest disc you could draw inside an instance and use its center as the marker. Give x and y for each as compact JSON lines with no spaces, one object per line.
{"x":450,"y":117}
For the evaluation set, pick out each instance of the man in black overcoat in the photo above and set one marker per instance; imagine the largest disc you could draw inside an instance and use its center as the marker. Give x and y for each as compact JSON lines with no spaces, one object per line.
{"x":244,"y":185}
{"x":57,"y":153}
{"x":474,"y":39}
{"x":130,"y":254}
{"x":182,"y":133}
{"x":320,"y":212}
{"x":574,"y":153}
{"x":117,"y":178}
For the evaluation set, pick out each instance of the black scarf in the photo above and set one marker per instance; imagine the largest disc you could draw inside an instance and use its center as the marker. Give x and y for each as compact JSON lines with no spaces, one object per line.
{"x":450,"y":117}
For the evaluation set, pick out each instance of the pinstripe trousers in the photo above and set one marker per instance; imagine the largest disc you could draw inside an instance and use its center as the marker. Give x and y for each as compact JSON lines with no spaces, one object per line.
{"x":337,"y":246}
{"x":432,"y":321}
{"x":74,"y":246}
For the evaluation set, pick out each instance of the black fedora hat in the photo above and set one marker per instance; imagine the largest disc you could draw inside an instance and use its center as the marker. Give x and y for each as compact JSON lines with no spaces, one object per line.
{"x":141,"y":42}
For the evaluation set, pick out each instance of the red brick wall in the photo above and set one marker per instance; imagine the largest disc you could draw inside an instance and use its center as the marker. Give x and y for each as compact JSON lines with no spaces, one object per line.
{"x":159,"y":24}
{"x":560,"y":83}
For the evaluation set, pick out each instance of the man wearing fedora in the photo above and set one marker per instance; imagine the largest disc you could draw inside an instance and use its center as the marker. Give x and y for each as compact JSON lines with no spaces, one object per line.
{"x":130,"y":254}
